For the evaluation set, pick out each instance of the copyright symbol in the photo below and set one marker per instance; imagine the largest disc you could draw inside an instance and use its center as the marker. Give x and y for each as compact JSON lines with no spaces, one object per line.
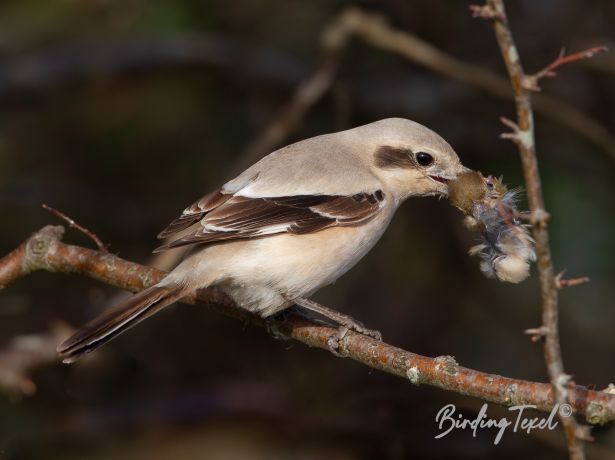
{"x":565,"y":410}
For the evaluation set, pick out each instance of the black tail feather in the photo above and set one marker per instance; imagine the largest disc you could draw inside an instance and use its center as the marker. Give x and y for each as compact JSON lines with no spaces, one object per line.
{"x":118,"y":319}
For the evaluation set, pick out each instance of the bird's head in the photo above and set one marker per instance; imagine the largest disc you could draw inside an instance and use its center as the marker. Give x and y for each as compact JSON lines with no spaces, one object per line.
{"x":410,"y":159}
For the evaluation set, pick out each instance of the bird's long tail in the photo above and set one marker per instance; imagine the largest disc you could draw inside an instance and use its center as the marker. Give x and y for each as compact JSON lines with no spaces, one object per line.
{"x":118,"y":319}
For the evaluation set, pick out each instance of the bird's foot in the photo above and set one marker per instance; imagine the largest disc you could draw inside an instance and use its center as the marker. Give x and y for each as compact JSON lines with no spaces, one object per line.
{"x":335,"y":339}
{"x":346,"y":323}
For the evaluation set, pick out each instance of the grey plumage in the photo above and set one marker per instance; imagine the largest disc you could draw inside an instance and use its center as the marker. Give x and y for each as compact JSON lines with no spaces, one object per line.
{"x":291,"y":223}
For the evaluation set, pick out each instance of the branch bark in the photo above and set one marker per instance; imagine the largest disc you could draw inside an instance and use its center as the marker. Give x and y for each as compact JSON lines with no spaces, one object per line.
{"x":523,"y":136}
{"x":44,"y":250}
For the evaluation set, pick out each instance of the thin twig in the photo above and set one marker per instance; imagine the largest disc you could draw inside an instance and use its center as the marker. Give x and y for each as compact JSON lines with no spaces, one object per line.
{"x":562,"y":282}
{"x":44,"y":250}
{"x":522,"y":133}
{"x":72,"y":224}
{"x":531,"y":81}
{"x":536,"y":333}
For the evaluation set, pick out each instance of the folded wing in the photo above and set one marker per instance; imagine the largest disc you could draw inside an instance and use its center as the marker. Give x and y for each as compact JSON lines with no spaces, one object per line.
{"x":229,"y":216}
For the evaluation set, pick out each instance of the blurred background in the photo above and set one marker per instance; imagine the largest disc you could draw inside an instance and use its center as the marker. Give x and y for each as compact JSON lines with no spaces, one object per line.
{"x":120,"y":114}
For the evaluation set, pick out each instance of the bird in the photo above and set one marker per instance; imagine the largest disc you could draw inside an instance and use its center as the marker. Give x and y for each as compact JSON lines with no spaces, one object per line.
{"x":291,"y":223}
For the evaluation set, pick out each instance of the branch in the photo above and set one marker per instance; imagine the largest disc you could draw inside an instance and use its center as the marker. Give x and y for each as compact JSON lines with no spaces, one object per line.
{"x":72,"y":224}
{"x":563,"y":282}
{"x":44,"y":250}
{"x":531,"y":81}
{"x":523,"y":135}
{"x":605,"y":63}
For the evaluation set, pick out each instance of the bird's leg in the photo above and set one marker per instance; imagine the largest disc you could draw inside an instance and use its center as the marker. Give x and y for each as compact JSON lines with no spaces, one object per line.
{"x":346,"y":323}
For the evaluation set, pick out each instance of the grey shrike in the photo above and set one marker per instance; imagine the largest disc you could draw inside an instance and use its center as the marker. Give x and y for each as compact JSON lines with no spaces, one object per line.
{"x":291,"y":223}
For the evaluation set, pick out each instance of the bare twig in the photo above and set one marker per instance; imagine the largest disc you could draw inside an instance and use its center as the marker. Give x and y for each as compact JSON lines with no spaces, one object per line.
{"x":72,"y":224}
{"x":531,"y":81}
{"x":522,"y":133}
{"x":44,"y":250}
{"x":536,"y":333}
{"x":604,"y":63}
{"x":562,"y":282}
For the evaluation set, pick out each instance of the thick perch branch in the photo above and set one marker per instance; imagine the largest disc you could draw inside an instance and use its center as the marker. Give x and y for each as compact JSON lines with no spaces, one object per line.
{"x":523,"y":135}
{"x":44,"y":250}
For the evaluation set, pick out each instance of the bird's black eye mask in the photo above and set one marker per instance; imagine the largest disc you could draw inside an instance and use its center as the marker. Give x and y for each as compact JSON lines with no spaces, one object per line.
{"x":388,"y":157}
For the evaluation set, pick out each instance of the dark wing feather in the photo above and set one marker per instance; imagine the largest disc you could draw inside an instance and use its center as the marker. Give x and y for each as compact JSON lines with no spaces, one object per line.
{"x":238,"y":217}
{"x":195,"y":212}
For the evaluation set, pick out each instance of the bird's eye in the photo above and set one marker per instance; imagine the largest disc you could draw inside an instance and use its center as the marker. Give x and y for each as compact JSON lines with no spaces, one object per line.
{"x":424,"y":159}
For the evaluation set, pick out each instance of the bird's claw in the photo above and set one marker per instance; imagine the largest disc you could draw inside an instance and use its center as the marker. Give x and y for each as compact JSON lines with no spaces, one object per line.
{"x":374,"y":334}
{"x":345,"y":322}
{"x":335,"y":339}
{"x":333,"y":342}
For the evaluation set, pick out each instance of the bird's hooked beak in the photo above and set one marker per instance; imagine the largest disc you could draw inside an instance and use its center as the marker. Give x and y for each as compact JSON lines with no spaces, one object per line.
{"x":443,"y":179}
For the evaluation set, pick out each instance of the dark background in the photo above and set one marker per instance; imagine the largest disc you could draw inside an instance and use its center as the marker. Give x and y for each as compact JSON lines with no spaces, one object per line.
{"x":123,"y":151}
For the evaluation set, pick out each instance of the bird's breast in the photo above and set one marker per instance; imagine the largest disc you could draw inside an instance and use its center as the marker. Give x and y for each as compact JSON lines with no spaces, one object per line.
{"x":300,"y":264}
{"x":260,"y":273}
